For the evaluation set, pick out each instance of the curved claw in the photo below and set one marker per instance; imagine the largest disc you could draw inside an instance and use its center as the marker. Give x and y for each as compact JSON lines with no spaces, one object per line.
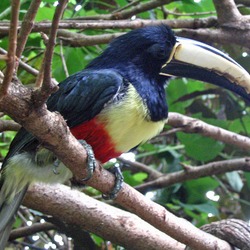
{"x":91,"y":161}
{"x":118,"y":183}
{"x":55,"y":166}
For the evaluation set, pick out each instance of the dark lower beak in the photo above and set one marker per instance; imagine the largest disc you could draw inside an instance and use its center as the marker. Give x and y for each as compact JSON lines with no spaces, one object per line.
{"x":202,"y":62}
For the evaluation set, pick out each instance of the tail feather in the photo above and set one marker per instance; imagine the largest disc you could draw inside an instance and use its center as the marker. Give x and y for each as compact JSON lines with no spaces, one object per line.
{"x":5,"y":233}
{"x":7,"y":214}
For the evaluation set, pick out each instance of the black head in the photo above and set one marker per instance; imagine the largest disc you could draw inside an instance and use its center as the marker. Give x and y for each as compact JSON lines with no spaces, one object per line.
{"x":145,"y":49}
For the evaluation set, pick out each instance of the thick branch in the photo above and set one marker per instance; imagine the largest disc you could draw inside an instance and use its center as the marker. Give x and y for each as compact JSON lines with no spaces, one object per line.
{"x":52,"y":130}
{"x":104,"y":220}
{"x":237,"y":232}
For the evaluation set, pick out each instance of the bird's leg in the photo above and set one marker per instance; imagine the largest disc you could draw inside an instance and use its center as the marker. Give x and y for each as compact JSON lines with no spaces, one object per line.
{"x":91,"y":161}
{"x":118,"y":183}
{"x":56,"y":165}
{"x":45,"y":157}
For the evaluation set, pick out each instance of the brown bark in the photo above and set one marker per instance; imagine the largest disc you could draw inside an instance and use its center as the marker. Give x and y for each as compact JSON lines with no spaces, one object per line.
{"x":236,"y":232}
{"x":109,"y":222}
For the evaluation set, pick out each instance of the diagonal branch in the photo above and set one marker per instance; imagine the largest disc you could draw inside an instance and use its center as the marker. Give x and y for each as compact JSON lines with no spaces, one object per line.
{"x":226,"y":11}
{"x":51,"y":129}
{"x":214,"y":168}
{"x":191,"y":125}
{"x":104,"y":220}
{"x":27,"y":25}
{"x":48,"y":87}
{"x":11,"y":56}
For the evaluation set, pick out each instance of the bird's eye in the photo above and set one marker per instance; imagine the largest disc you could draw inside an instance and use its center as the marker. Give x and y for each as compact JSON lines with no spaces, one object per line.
{"x":157,"y":51}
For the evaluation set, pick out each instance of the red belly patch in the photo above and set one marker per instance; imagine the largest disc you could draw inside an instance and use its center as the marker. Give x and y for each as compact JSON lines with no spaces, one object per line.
{"x":94,"y":133}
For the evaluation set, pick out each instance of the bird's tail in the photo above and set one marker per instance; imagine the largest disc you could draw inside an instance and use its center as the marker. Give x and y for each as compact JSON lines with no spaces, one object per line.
{"x":13,"y":186}
{"x":7,"y":214}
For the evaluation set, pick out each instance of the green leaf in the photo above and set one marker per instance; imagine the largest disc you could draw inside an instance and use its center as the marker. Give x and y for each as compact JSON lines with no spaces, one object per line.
{"x":234,"y":180}
{"x":247,"y":176}
{"x":197,"y":189}
{"x":45,"y":13}
{"x":203,"y":207}
{"x":200,"y":148}
{"x":134,"y":179}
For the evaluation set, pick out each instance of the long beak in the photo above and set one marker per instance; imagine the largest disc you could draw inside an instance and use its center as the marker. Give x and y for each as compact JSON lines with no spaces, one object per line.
{"x":202,"y":62}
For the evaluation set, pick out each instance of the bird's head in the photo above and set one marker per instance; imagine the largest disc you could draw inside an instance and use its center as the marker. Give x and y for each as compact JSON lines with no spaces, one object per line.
{"x":145,"y":50}
{"x":155,"y":52}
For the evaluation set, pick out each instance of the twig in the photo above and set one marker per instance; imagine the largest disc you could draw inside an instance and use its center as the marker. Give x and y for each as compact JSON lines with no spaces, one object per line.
{"x":30,"y":230}
{"x":12,"y":47}
{"x":63,"y":60}
{"x":27,"y":25}
{"x":214,"y":168}
{"x":131,"y":4}
{"x":48,"y":87}
{"x":125,"y":14}
{"x":9,"y":125}
{"x":79,"y":40}
{"x":168,"y":12}
{"x":192,"y":125}
{"x":153,"y":174}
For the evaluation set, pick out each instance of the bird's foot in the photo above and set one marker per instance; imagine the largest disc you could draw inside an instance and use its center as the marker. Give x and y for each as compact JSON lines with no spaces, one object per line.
{"x":56,"y":164}
{"x":118,"y":183}
{"x":91,"y":161}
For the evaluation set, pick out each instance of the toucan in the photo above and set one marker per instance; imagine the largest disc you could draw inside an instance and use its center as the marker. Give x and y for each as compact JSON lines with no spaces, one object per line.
{"x":116,"y":103}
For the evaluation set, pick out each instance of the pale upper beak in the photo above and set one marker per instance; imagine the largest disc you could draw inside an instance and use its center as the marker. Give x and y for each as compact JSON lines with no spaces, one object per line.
{"x":196,"y":60}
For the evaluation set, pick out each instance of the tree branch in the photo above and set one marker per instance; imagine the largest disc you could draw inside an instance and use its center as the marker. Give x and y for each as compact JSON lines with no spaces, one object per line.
{"x":44,"y":26}
{"x":52,"y":131}
{"x":11,"y":56}
{"x":239,"y":36}
{"x":104,"y":220}
{"x":227,"y":11}
{"x":128,"y":13}
{"x":237,"y":232}
{"x":191,"y":125}
{"x":26,"y":27}
{"x":6,"y":125}
{"x":214,"y":168}
{"x":41,"y":95}
{"x":30,"y":230}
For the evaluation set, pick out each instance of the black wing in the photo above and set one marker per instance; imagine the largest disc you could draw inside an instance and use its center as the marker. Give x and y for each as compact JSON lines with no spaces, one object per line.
{"x":80,"y":98}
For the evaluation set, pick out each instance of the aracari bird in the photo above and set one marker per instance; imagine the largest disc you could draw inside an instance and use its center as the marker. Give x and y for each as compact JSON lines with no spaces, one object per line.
{"x":116,"y":103}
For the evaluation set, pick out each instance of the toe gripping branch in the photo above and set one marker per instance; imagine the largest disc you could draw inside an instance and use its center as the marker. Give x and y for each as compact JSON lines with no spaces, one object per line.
{"x":91,"y":165}
{"x":118,"y":183}
{"x":91,"y":161}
